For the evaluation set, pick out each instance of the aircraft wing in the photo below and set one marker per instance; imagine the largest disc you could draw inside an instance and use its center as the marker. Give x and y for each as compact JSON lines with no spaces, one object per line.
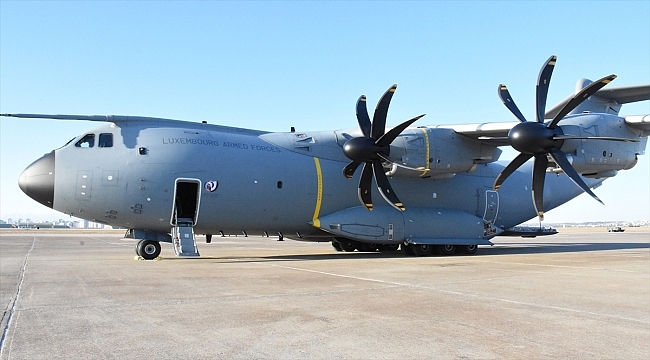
{"x":607,"y":101}
{"x":122,"y":119}
{"x":495,"y":133}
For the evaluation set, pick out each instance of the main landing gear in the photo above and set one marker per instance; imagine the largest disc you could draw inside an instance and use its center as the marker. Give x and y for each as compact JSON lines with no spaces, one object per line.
{"x":148,"y":249}
{"x":348,"y":245}
{"x":428,"y":250}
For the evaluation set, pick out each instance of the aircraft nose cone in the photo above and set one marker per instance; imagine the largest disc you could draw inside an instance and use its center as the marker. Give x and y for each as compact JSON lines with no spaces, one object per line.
{"x":37,"y":181}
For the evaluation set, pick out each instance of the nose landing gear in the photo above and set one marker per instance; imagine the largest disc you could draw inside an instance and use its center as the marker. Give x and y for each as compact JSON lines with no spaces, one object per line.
{"x":148,"y":249}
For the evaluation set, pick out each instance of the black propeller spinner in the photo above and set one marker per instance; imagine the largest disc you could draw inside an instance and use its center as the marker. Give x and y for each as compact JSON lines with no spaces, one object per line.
{"x":374,"y":148}
{"x":536,"y":139}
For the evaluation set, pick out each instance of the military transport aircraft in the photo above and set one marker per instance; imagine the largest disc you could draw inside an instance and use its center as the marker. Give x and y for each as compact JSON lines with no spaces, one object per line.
{"x":440,"y":187}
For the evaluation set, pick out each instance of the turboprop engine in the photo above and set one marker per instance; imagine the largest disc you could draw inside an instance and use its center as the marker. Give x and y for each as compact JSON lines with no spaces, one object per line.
{"x":603,"y":158}
{"x":437,"y":153}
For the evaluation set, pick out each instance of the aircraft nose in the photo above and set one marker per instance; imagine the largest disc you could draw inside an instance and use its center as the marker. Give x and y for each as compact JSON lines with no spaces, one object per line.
{"x":37,"y":181}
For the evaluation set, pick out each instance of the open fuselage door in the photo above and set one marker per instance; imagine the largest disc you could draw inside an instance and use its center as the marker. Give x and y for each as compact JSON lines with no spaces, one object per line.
{"x":185,"y":212}
{"x":491,"y":212}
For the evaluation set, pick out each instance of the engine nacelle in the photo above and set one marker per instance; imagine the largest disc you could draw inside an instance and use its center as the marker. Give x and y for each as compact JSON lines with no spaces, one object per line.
{"x":438,"y":153}
{"x":601,"y":158}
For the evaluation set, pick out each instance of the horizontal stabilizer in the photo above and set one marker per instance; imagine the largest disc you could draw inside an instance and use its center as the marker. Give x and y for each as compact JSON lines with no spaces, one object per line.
{"x":626,"y":94}
{"x":607,"y":101}
{"x":639,"y":122}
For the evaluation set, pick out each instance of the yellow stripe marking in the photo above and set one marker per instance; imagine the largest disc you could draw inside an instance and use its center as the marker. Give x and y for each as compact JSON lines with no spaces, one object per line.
{"x":319,"y":195}
{"x":426,"y":143}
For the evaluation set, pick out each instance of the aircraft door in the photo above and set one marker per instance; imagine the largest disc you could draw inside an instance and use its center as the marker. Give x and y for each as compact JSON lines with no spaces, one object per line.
{"x":187,"y":198}
{"x":491,"y":206}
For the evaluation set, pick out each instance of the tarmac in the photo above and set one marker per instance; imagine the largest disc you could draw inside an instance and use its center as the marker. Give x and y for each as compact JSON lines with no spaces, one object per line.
{"x":577,"y":295}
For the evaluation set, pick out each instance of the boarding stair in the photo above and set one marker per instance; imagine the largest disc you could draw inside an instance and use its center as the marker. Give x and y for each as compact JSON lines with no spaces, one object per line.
{"x":183,"y":238}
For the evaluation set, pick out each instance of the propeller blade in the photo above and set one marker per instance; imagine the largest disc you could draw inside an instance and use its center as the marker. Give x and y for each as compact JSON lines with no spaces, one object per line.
{"x":543,"y":81}
{"x":388,"y":137}
{"x":385,"y":189}
{"x":560,"y":158}
{"x":381,"y":112}
{"x":572,"y":137}
{"x":364,"y":186}
{"x":514,"y":165}
{"x":578,"y":98}
{"x":362,"y":116}
{"x":349,"y":169}
{"x":539,"y":175}
{"x":505,"y":97}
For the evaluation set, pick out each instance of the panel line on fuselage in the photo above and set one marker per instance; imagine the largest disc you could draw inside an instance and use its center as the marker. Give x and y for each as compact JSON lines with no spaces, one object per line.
{"x":426,"y":146}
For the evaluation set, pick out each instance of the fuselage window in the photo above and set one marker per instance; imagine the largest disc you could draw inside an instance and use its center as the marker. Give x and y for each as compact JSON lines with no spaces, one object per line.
{"x":105,"y":140}
{"x":87,"y":141}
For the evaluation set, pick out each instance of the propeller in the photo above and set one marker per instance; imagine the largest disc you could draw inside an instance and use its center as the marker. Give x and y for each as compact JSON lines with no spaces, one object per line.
{"x":372,"y":149}
{"x":535,"y":139}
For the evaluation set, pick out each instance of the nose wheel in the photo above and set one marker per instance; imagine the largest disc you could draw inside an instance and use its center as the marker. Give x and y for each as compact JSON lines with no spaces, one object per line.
{"x":148,"y":249}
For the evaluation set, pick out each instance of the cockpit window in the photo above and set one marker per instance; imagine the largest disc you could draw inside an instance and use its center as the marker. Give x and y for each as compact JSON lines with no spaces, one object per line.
{"x":68,"y":143}
{"x":105,"y":140}
{"x":87,"y":141}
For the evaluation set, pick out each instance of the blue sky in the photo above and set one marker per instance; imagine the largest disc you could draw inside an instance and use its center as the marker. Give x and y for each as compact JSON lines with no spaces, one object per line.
{"x":273,"y":65}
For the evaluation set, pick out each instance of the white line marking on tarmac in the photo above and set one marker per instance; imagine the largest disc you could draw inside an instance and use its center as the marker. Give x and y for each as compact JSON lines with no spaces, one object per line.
{"x":488,"y":298}
{"x":555,"y":266}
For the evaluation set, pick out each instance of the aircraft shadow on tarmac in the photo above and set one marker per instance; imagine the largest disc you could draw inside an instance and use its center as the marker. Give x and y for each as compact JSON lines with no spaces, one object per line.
{"x":509,"y":249}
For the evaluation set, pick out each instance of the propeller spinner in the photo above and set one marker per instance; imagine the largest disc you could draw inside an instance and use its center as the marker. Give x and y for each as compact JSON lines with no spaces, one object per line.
{"x":537,"y":139}
{"x":372,"y":149}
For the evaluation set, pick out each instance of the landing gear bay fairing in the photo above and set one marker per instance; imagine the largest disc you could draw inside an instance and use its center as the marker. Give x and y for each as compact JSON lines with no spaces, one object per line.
{"x":425,"y":189}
